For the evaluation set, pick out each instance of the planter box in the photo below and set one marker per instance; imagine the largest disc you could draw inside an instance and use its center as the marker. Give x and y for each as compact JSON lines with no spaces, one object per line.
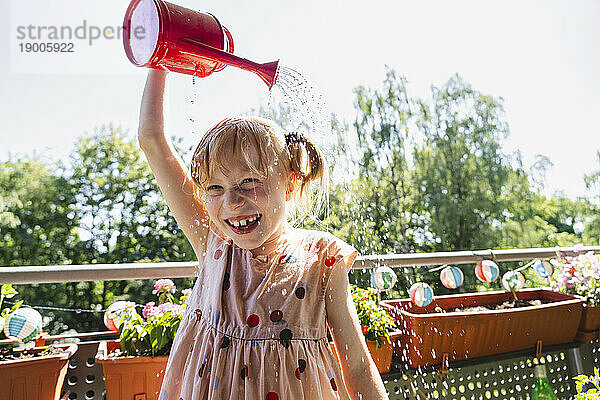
{"x":381,"y":356}
{"x":590,"y":319}
{"x":38,"y":378}
{"x":427,"y":335}
{"x":130,"y":378}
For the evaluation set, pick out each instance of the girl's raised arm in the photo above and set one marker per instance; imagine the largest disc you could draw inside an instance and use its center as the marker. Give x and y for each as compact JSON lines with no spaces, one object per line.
{"x":170,"y":171}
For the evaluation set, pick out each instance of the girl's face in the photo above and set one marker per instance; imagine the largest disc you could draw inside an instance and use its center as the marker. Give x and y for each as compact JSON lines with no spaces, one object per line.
{"x":247,"y":208}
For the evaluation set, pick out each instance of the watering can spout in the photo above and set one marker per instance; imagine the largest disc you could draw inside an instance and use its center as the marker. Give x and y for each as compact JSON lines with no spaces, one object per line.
{"x":268,"y":72}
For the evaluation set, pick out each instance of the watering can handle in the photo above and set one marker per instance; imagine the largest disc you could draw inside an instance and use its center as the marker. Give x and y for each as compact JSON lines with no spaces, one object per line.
{"x":228,"y":47}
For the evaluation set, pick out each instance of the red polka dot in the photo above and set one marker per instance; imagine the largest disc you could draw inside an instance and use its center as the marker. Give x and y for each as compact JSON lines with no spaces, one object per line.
{"x":253,"y":320}
{"x":218,"y":254}
{"x":272,"y":396}
{"x":329,"y":261}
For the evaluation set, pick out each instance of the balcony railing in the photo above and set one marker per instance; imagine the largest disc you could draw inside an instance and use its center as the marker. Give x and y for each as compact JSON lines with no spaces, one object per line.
{"x":504,"y":376}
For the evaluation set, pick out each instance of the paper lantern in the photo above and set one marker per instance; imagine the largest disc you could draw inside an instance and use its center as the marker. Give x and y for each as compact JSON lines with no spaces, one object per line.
{"x":487,"y":271}
{"x":452,"y":277}
{"x":543,"y":269}
{"x":421,"y":294}
{"x":513,"y":281}
{"x":23,"y":324}
{"x":115,"y":311}
{"x":383,"y":278}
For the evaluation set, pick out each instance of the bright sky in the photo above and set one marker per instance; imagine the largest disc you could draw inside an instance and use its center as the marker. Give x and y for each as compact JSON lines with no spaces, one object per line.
{"x":541,"y":57}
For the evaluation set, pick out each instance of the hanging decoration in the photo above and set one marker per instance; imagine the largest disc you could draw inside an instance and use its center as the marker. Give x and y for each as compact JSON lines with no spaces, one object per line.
{"x":513,"y":281}
{"x":452,"y":277}
{"x":115,"y":311}
{"x":23,"y":324}
{"x":543,"y":269}
{"x":487,"y":271}
{"x":421,"y":294}
{"x":383,"y":278}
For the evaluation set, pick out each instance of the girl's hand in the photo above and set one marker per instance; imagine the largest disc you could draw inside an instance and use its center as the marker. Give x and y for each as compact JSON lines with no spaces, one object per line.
{"x":360,"y":373}
{"x":170,"y":171}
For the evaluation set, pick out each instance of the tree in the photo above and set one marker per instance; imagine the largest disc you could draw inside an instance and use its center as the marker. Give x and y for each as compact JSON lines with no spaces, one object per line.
{"x":37,"y":214}
{"x":465,"y":182}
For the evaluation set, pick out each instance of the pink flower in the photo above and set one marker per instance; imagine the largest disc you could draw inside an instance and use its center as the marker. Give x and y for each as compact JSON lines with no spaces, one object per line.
{"x":164,"y":285}
{"x":147,"y":309}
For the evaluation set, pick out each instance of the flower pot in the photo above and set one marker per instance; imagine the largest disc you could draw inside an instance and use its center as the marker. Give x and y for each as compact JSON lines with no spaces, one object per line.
{"x":130,"y":378}
{"x":428,"y":335}
{"x":382,"y":356}
{"x":37,"y":378}
{"x":590,"y":319}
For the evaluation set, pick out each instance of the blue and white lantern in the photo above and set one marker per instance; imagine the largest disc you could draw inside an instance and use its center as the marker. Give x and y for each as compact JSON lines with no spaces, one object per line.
{"x":487,"y":271}
{"x":23,"y":324}
{"x":513,"y":281}
{"x":383,"y":278}
{"x":543,"y":269}
{"x":421,"y":294}
{"x":452,"y":277}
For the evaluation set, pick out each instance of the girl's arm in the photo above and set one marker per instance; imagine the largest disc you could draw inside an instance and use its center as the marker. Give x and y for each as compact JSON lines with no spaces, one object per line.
{"x":360,"y":373}
{"x":169,"y":169}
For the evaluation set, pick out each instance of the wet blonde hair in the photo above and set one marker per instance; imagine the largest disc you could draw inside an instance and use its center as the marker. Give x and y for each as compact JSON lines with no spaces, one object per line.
{"x":302,"y":163}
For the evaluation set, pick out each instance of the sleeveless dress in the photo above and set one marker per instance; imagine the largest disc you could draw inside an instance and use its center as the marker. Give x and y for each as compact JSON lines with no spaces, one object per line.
{"x":255,"y":327}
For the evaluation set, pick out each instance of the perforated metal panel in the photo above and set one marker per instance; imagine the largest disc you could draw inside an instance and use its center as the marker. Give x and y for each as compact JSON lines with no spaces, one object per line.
{"x":501,"y":378}
{"x":510,"y":378}
{"x":84,"y":380}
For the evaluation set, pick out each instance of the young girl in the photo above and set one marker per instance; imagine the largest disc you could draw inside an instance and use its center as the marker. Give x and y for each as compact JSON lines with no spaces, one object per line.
{"x":255,"y":323}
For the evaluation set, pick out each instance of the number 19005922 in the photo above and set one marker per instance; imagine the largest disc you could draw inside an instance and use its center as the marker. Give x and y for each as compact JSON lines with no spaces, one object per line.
{"x":46,"y":47}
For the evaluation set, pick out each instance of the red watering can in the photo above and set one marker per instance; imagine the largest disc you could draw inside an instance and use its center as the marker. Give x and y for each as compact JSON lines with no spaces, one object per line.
{"x":158,"y":34}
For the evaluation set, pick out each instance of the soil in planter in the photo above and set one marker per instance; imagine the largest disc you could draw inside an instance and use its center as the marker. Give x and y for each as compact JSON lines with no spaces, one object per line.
{"x":7,"y":354}
{"x":507,"y":305}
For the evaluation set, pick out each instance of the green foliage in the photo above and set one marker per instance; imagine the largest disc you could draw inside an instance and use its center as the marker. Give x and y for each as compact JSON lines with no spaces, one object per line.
{"x":375,"y":322}
{"x":591,"y":393}
{"x":101,"y":206}
{"x":8,"y":292}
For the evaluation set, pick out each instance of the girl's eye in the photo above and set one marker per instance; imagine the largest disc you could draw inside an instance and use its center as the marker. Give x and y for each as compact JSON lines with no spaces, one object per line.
{"x":249,"y":183}
{"x":213,"y":188}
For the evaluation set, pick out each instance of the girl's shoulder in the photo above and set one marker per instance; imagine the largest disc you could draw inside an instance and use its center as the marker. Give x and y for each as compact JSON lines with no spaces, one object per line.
{"x":329,"y":249}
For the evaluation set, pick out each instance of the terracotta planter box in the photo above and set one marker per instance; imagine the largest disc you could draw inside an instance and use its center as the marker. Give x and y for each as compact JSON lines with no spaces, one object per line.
{"x":427,"y":334}
{"x":130,"y":378}
{"x":38,"y":378}
{"x":381,"y":356}
{"x":590,"y":319}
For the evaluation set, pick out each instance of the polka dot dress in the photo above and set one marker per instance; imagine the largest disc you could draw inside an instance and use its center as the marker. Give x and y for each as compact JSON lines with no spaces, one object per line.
{"x":255,"y":327}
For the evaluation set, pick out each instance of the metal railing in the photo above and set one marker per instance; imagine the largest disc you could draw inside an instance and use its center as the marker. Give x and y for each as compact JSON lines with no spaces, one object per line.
{"x":113,"y":272}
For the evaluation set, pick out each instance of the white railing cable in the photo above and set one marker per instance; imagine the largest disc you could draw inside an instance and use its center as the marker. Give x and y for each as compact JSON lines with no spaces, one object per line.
{"x":114,"y":272}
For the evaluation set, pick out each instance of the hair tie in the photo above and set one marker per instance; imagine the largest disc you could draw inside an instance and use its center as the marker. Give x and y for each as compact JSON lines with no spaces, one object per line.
{"x":294,"y":137}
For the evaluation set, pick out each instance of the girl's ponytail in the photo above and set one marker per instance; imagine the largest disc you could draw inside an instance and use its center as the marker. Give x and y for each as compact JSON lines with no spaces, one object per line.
{"x":307,"y":166}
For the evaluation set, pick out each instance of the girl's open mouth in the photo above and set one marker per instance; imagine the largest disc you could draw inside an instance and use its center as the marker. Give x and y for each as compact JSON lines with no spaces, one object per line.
{"x":245,"y":225}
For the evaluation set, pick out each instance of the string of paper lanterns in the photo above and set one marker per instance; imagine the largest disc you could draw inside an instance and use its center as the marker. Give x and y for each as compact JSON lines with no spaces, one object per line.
{"x":421,"y":294}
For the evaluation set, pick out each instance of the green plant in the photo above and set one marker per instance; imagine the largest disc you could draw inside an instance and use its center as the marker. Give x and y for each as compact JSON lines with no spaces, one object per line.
{"x":7,"y":291}
{"x":152,"y":333}
{"x":590,"y":394}
{"x":375,"y":322}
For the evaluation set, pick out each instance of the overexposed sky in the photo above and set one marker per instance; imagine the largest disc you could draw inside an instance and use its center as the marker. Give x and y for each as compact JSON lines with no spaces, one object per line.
{"x":541,"y":57}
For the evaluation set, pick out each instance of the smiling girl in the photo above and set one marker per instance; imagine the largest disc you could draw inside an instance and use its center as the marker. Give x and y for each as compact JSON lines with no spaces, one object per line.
{"x":255,"y":323}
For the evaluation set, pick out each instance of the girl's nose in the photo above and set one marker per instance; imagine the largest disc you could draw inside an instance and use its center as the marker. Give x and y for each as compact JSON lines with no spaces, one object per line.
{"x":233,"y":199}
